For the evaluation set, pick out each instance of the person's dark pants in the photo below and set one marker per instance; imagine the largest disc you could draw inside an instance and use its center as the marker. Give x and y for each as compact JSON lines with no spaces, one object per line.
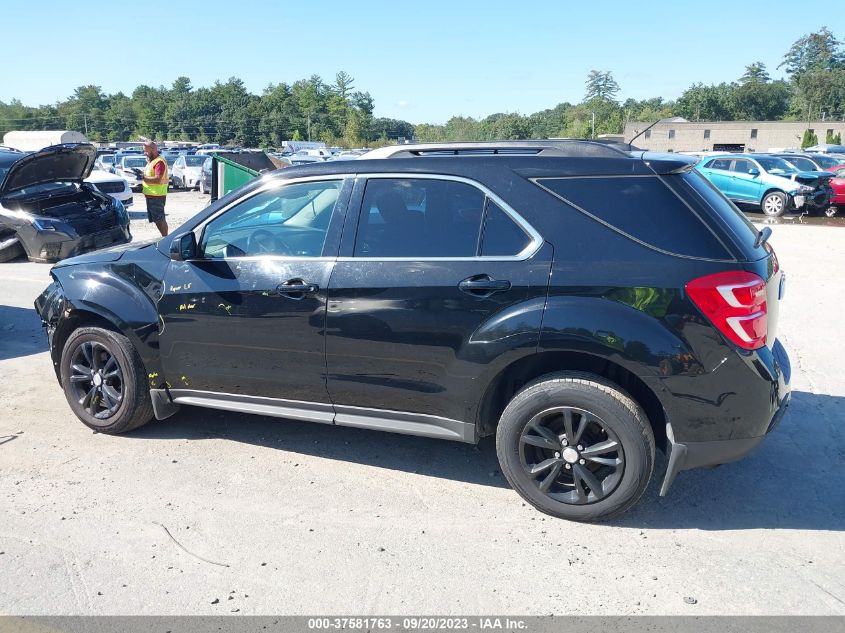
{"x":155,"y":208}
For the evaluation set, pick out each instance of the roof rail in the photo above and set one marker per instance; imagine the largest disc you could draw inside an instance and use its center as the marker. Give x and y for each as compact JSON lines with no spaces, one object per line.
{"x":545,"y":147}
{"x":7,"y":148}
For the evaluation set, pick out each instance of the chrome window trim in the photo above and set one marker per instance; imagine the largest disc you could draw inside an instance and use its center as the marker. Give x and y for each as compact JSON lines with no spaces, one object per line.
{"x":534,"y":245}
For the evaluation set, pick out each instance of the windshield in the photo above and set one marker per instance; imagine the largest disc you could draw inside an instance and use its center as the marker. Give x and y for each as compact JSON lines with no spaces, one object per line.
{"x":775,"y":166}
{"x":135,"y":162}
{"x":194,"y":161}
{"x":107,"y":158}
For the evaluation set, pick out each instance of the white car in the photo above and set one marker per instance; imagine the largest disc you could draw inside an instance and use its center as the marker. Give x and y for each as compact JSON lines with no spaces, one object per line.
{"x":112,"y":185}
{"x":187,"y":171}
{"x":129,"y":168}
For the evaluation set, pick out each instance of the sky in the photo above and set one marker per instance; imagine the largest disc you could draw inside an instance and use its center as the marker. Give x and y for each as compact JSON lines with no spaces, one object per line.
{"x":423,"y":62}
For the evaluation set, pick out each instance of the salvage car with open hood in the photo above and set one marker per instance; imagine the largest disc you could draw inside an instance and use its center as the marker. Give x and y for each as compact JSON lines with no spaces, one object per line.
{"x":48,"y":213}
{"x":769,"y":182}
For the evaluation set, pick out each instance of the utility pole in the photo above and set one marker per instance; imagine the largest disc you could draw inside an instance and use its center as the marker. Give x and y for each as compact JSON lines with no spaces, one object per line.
{"x":85,"y":119}
{"x":594,"y":124}
{"x":309,"y":126}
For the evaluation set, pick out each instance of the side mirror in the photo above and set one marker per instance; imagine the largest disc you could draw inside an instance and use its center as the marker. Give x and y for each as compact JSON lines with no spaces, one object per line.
{"x":183,"y":247}
{"x":754,"y":172}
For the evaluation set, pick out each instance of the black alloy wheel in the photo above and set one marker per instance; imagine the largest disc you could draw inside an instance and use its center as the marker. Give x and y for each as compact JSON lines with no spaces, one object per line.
{"x":97,"y":380}
{"x":571,"y":455}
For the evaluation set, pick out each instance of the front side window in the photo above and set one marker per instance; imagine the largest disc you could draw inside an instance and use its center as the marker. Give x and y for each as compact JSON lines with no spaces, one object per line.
{"x":742,"y":166}
{"x":291,"y":220}
{"x":433,"y":218}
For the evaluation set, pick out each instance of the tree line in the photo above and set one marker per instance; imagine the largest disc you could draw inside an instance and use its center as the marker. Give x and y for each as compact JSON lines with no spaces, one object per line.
{"x":337,"y":113}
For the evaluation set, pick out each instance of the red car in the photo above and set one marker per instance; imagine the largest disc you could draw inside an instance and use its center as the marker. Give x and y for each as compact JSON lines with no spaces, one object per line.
{"x":838,"y":185}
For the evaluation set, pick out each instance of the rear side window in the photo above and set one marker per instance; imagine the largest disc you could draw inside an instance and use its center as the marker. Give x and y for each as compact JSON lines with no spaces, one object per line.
{"x":502,"y":236}
{"x":643,"y":208}
{"x":429,"y":217}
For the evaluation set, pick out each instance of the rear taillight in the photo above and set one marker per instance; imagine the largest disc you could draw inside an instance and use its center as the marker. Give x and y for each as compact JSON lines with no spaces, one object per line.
{"x":736,"y":304}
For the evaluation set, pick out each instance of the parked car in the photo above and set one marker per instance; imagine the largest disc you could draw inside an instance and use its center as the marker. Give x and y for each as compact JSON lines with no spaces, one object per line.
{"x":304,"y":159}
{"x":810,"y":162}
{"x":205,"y":175}
{"x":48,"y":212}
{"x":826,"y":148}
{"x":111,"y":184}
{"x":837,"y":183}
{"x":187,"y":171}
{"x":131,"y":168}
{"x":104,"y":162}
{"x":613,"y":304}
{"x":121,"y":154}
{"x":768,"y":182}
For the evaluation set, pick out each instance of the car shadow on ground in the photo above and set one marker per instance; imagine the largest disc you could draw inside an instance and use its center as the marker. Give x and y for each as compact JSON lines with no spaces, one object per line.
{"x":794,"y":480}
{"x":20,"y":332}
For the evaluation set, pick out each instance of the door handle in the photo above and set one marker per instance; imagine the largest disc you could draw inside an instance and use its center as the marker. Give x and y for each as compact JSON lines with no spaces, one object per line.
{"x":297,"y":287}
{"x":483,"y":285}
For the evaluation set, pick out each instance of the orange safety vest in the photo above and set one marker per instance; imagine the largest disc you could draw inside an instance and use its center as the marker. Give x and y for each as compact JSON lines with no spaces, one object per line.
{"x":149,"y":172}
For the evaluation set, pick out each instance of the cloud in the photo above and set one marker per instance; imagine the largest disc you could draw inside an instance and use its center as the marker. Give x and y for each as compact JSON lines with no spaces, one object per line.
{"x":402,"y":103}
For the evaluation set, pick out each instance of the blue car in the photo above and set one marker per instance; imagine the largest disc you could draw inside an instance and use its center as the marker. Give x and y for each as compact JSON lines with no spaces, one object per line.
{"x":768,"y":182}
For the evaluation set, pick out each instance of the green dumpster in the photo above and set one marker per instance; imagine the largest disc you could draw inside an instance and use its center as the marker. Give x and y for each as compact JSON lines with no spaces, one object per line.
{"x":233,"y":170}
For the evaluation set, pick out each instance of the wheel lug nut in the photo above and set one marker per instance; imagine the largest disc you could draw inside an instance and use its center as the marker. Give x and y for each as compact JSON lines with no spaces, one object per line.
{"x":568,"y":467}
{"x":582,"y":461}
{"x":565,"y":442}
{"x":580,"y":448}
{"x":557,"y":455}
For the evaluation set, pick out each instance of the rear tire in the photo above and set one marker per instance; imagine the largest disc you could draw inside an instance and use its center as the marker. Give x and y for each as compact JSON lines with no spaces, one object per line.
{"x":575,"y":446}
{"x":774,"y":204}
{"x":104,"y":381}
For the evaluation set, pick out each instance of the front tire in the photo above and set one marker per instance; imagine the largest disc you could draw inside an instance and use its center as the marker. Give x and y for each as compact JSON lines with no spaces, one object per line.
{"x":774,"y":204}
{"x":104,"y":381}
{"x":576,"y":447}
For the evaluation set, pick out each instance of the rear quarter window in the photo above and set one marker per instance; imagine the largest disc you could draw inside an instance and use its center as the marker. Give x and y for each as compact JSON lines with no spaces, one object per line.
{"x":642,"y":208}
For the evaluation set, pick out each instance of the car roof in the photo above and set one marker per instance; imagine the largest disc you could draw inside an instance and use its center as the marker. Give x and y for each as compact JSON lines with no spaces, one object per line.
{"x":8,"y":158}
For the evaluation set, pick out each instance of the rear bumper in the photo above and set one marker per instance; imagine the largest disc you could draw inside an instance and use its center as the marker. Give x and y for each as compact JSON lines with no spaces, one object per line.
{"x":710,"y":454}
{"x":686,"y":454}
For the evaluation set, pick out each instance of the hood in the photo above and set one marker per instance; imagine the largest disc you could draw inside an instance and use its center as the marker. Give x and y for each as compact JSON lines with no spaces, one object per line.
{"x":812,"y":178}
{"x":105,"y":255}
{"x":58,"y":163}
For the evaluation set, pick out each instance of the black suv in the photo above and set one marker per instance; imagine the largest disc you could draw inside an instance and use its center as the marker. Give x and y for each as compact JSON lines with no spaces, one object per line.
{"x":585,"y":303}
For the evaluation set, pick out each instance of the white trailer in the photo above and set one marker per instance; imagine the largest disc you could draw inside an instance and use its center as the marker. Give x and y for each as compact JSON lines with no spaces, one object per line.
{"x":34,"y":140}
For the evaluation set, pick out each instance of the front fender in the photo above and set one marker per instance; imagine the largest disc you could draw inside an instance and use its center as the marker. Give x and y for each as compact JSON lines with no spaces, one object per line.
{"x":113,"y":293}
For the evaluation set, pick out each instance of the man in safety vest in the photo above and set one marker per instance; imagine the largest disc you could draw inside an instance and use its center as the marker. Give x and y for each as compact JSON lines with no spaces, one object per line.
{"x":155,"y":186}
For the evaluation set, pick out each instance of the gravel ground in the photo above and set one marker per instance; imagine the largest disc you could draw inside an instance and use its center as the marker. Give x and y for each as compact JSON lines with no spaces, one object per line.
{"x":180,"y":206}
{"x":218,"y":513}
